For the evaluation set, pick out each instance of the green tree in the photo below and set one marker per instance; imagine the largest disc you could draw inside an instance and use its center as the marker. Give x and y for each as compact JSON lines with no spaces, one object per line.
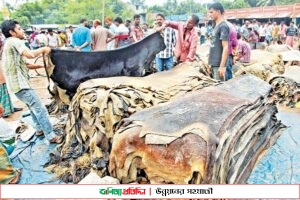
{"x":69,"y":11}
{"x":234,"y":4}
{"x":258,"y":3}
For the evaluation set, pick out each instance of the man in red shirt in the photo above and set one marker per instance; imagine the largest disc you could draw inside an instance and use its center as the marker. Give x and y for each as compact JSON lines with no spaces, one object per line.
{"x":136,"y":32}
{"x":244,"y":50}
{"x":187,"y":38}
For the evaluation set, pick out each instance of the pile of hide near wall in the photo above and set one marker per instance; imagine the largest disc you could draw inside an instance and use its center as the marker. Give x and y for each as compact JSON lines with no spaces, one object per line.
{"x":274,"y":65}
{"x":214,"y":135}
{"x":100,"y":104}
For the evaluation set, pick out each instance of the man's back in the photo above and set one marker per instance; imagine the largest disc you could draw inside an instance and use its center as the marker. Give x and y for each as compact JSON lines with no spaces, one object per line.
{"x":244,"y":51}
{"x":232,"y":38}
{"x":80,"y":36}
{"x":99,"y":38}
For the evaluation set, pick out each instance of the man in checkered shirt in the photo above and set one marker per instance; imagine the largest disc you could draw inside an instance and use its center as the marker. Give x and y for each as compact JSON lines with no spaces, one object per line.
{"x":165,"y":57}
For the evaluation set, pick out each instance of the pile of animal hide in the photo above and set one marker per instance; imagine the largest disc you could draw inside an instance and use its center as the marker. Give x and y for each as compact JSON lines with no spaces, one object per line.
{"x":287,"y":86}
{"x":214,"y":135}
{"x":100,"y":104}
{"x":263,"y":65}
{"x":276,"y":65}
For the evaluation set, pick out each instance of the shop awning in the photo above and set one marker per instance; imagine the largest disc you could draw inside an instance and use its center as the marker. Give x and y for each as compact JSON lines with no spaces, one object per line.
{"x":283,"y":15}
{"x":268,"y":15}
{"x":255,"y":16}
{"x":296,"y":15}
{"x":231,"y":17}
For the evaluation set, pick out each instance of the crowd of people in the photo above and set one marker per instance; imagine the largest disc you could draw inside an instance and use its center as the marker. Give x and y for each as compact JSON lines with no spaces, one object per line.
{"x":116,"y":33}
{"x":232,"y":42}
{"x":256,"y":32}
{"x":98,"y":36}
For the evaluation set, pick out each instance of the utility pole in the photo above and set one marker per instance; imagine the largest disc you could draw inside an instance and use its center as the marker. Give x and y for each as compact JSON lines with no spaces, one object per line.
{"x":103,"y":8}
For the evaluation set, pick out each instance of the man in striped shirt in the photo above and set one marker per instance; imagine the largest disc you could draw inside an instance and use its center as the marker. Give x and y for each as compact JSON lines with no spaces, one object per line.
{"x":165,"y":57}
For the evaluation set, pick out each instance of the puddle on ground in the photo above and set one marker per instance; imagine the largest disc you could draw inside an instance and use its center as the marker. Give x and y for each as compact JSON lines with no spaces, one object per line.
{"x":281,"y":164}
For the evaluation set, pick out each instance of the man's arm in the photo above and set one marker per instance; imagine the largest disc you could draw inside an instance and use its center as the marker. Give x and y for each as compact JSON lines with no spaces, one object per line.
{"x":133,"y":34}
{"x":34,"y":53}
{"x":33,"y":66}
{"x":173,"y":25}
{"x":222,"y":67}
{"x":82,"y":46}
{"x":116,"y":42}
{"x":174,"y":39}
{"x":93,"y":40}
{"x":110,"y":36}
{"x":1,"y":111}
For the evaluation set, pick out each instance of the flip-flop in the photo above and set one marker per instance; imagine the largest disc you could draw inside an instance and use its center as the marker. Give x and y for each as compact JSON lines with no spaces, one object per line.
{"x":40,"y":133}
{"x":58,"y":139}
{"x":17,"y":178}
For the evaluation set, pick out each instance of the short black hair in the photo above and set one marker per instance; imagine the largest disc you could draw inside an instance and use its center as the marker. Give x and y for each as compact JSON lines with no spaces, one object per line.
{"x":119,"y":20}
{"x":83,"y":20}
{"x":217,"y":6}
{"x":238,"y":35}
{"x":50,"y":30}
{"x":160,"y":15}
{"x":8,"y":25}
{"x":195,"y":19}
{"x":136,"y":16}
{"x":128,"y":21}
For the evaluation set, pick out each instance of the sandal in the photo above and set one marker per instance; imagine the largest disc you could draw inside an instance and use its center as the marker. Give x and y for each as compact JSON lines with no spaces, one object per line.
{"x":17,"y":178}
{"x":40,"y":133}
{"x":58,"y":139}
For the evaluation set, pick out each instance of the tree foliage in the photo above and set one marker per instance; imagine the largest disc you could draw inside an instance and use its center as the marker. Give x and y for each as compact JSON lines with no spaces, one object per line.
{"x":68,"y":11}
{"x":258,"y":3}
{"x":234,"y":4}
{"x":174,"y":7}
{"x":71,"y":11}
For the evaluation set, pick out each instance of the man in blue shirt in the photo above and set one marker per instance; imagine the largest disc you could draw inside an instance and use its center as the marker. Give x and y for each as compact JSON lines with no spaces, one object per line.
{"x":82,"y":37}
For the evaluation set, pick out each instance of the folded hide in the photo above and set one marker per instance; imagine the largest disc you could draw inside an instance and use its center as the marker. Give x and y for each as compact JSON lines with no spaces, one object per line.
{"x":214,"y":135}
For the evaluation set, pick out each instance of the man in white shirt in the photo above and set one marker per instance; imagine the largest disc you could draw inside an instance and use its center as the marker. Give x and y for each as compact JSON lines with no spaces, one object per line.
{"x":42,"y":39}
{"x":53,"y":39}
{"x":203,"y":32}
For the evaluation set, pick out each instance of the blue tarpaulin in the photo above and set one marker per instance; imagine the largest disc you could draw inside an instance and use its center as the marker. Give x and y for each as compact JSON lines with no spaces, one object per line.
{"x":281,"y":164}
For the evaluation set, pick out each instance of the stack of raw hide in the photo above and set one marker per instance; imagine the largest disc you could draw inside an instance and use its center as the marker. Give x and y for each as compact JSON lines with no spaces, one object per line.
{"x":263,"y":65}
{"x":287,"y":87}
{"x":214,"y":135}
{"x":100,"y":104}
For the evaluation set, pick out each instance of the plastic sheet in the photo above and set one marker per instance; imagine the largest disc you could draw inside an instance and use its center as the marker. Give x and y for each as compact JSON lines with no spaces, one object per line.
{"x":281,"y":164}
{"x":31,"y":156}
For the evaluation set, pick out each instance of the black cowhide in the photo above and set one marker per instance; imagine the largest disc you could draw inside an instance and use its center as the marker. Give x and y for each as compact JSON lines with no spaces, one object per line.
{"x":75,"y":67}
